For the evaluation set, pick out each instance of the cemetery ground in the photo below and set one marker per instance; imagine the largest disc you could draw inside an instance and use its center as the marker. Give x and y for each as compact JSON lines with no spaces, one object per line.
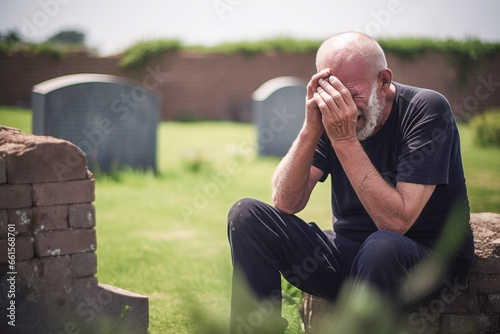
{"x":164,"y":235}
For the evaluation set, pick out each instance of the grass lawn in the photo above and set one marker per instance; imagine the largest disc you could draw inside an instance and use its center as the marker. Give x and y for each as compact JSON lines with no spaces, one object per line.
{"x":165,"y":237}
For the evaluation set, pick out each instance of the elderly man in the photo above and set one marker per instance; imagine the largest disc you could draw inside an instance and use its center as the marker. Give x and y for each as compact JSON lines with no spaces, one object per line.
{"x":393,"y":154}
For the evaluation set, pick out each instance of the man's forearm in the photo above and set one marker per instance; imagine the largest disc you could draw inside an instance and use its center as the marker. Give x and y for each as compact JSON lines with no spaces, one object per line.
{"x":290,"y":181}
{"x":378,"y":198}
{"x":391,"y":209}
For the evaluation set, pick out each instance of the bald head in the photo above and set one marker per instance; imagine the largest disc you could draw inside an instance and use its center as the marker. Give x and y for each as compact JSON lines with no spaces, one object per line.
{"x":351,"y":49}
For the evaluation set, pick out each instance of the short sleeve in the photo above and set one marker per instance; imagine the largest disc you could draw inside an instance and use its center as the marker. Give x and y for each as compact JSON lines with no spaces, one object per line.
{"x":427,"y":140}
{"x":321,"y":158}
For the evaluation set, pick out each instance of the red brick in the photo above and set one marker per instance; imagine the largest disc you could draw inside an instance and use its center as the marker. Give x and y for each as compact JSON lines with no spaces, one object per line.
{"x":47,"y":218}
{"x":23,"y":249}
{"x":65,"y":242}
{"x":15,"y":196}
{"x":82,"y":215}
{"x":486,"y":266}
{"x":454,"y":323}
{"x":69,"y":192}
{"x":83,"y":264}
{"x":22,"y":219}
{"x":460,"y":303}
{"x":36,"y":219}
{"x":491,"y":303}
{"x":484,"y":283}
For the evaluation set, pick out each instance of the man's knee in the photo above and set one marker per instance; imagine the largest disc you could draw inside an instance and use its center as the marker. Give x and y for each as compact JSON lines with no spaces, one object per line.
{"x":379,"y":250}
{"x":242,"y":211}
{"x":381,"y":243}
{"x":245,"y":218}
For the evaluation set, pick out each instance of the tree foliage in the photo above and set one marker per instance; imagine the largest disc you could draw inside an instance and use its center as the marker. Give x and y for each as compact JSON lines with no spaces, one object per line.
{"x":68,"y":37}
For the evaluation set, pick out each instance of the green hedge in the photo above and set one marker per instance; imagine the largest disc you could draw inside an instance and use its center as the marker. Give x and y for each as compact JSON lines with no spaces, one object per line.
{"x":486,"y":128}
{"x":465,"y":54}
{"x":280,"y":45}
{"x":44,"y":49}
{"x":140,"y":54}
{"x":404,"y":47}
{"x":411,"y":47}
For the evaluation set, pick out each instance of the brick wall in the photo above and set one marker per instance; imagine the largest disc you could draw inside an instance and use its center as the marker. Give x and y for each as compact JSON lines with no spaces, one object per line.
{"x":214,"y":86}
{"x":48,"y":242}
{"x":19,"y":72}
{"x":217,"y":86}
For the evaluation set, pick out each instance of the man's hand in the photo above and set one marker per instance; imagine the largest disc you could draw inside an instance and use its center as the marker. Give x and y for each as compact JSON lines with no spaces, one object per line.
{"x":313,"y":114}
{"x":338,"y":110}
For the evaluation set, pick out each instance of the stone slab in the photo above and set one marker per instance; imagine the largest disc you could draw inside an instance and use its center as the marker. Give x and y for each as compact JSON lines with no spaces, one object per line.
{"x":279,"y":112}
{"x":112,"y":119}
{"x":35,"y":159}
{"x":128,"y":311}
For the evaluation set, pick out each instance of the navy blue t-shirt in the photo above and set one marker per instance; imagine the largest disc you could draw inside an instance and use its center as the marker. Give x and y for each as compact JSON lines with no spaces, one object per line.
{"x":419,"y":143}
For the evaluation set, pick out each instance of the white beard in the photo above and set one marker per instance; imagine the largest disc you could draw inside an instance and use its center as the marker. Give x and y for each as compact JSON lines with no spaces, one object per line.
{"x":372,"y":115}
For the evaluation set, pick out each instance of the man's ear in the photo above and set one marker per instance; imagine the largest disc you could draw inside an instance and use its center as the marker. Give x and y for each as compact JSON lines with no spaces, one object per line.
{"x":385,"y":79}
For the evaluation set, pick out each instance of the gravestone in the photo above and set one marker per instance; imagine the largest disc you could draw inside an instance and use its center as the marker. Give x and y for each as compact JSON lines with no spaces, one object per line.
{"x":112,"y":119}
{"x":279,"y":112}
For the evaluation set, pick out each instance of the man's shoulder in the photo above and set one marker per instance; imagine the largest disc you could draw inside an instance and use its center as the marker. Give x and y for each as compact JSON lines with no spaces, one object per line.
{"x":414,"y":94}
{"x":411,"y":99}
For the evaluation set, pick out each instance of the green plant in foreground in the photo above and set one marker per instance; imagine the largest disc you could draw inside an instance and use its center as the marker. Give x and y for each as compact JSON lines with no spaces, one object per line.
{"x":486,"y":128}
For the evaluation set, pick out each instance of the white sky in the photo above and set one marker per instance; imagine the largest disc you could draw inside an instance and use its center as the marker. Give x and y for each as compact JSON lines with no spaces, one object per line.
{"x":113,"y":25}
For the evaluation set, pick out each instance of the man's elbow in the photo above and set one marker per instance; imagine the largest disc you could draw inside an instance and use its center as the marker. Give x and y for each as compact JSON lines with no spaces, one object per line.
{"x":286,"y":210}
{"x":396,"y":225}
{"x":285,"y":206}
{"x":394,"y":218}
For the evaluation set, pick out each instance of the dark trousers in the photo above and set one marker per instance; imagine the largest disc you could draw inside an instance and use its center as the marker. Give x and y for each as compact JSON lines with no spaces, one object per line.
{"x":266,"y":242}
